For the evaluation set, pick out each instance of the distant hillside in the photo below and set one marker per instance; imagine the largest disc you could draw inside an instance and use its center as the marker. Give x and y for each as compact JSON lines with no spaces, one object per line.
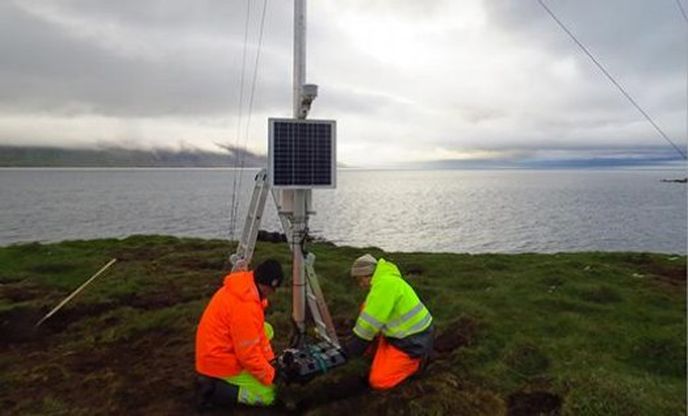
{"x":16,"y":156}
{"x":582,"y":163}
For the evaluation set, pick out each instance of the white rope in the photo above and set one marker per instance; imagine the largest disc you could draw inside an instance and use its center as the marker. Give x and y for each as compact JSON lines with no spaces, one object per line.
{"x":240,"y":105}
{"x":250,"y":108}
{"x":255,"y":77}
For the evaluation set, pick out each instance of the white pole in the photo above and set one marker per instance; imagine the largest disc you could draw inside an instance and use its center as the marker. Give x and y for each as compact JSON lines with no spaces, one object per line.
{"x":300,"y":219}
{"x":76,"y":292}
{"x":299,"y":54}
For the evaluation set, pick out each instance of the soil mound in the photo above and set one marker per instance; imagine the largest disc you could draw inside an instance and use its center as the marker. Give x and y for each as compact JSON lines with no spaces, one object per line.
{"x":458,"y":334}
{"x":18,"y":325}
{"x":534,"y":403}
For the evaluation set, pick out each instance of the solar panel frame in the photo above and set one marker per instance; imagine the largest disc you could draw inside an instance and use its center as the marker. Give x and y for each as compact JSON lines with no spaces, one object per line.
{"x":308,"y":139}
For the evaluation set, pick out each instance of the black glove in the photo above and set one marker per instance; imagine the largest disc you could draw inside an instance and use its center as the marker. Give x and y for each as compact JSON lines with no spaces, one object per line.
{"x":290,"y":368}
{"x":343,"y":352}
{"x":355,"y":346}
{"x":278,"y":374}
{"x":279,"y":371}
{"x":286,"y":369}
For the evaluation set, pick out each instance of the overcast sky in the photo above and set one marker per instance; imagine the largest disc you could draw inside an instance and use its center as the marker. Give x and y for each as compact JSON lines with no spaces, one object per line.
{"x":406,"y":80}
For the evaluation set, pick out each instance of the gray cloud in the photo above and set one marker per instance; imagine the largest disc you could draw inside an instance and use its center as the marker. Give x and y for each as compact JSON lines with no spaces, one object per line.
{"x":632,"y":38}
{"x":48,"y":69}
{"x":480,"y":75}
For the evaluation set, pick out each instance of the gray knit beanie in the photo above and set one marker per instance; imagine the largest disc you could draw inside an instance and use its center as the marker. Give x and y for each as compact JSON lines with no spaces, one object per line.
{"x":363,"y":266}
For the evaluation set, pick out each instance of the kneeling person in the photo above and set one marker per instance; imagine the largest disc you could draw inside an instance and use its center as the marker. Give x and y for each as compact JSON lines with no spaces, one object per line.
{"x":233,"y":350}
{"x":393,"y":309}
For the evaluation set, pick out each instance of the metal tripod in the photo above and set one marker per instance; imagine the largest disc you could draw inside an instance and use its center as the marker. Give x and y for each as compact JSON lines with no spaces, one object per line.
{"x":296,"y":231}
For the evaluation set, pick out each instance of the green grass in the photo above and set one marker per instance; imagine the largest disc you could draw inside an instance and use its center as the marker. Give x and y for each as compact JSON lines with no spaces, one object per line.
{"x":586,"y":333}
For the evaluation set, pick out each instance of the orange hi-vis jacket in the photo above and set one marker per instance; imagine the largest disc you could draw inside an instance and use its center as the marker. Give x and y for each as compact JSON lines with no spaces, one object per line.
{"x":231,"y":336}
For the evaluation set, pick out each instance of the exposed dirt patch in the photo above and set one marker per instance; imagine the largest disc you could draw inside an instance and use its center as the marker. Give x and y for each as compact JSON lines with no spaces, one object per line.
{"x":535,"y":403}
{"x":52,"y":268}
{"x":527,"y":360}
{"x":18,"y":325}
{"x":201,"y":245}
{"x":602,"y":295}
{"x":170,"y":355}
{"x":344,"y":389}
{"x":639,"y":259}
{"x":413,"y":270}
{"x":198,"y":263}
{"x":140,"y":253}
{"x":673,"y":275}
{"x":151,"y":375}
{"x":151,"y":300}
{"x":460,"y":333}
{"x":74,"y":313}
{"x":18,"y":292}
{"x":7,"y":279}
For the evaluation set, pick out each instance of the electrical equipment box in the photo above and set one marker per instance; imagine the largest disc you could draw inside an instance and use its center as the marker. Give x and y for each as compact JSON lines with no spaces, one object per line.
{"x":303,"y":364}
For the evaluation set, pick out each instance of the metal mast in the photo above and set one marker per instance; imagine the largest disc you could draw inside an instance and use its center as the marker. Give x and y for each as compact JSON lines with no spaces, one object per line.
{"x":300,"y":196}
{"x":294,"y":208}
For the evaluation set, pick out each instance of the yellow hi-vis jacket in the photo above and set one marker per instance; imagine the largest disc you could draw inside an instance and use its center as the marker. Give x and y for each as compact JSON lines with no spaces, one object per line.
{"x":391,"y":307}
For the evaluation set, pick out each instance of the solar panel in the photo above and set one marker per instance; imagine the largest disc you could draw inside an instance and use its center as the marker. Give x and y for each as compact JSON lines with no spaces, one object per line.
{"x":302,"y":153}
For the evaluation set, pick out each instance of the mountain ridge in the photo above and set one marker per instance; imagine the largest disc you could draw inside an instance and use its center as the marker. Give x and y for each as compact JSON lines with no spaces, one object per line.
{"x":49,"y":156}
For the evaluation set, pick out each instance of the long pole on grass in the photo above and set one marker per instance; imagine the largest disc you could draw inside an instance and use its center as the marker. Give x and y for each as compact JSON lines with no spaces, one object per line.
{"x":76,"y":292}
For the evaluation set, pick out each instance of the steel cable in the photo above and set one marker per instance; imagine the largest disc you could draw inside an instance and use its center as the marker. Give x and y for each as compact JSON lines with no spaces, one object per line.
{"x":608,"y":75}
{"x":250,"y":105}
{"x":232,"y":212}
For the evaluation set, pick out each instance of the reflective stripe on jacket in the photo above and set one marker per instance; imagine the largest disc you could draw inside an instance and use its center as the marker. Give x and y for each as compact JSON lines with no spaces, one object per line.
{"x":231,"y":335}
{"x":391,"y":307}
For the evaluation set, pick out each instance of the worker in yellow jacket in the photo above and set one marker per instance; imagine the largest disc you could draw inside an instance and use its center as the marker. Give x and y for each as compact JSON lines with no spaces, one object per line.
{"x":396,"y":316}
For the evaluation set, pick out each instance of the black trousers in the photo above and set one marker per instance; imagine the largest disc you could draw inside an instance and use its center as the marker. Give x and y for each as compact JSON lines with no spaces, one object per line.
{"x":213,"y":392}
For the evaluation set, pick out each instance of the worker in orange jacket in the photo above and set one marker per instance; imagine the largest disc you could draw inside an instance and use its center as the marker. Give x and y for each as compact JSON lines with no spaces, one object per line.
{"x":233,"y":351}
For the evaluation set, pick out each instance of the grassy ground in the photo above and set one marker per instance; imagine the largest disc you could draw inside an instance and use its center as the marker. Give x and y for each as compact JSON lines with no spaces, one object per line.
{"x":570,"y":334}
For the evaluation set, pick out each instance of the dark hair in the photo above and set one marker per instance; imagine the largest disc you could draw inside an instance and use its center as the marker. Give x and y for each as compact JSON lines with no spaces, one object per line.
{"x":269,"y":273}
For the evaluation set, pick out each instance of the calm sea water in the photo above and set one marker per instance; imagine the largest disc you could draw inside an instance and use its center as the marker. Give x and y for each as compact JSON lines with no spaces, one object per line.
{"x":452,"y":211}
